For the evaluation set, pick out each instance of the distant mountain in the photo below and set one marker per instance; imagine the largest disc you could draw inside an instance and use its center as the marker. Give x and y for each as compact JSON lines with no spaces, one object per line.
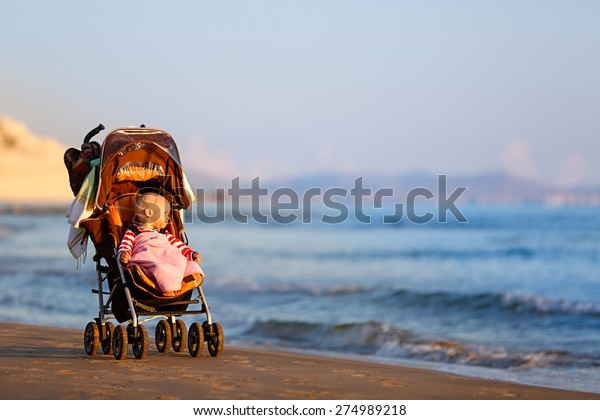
{"x":503,"y":188}
{"x":488,"y":188}
{"x":491,"y":188}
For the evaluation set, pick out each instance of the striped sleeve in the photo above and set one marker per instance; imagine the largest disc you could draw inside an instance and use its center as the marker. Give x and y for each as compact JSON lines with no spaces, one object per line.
{"x":127,"y":242}
{"x":185,"y":250}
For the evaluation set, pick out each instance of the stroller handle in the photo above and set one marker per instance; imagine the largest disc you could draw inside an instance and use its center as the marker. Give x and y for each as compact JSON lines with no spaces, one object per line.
{"x":92,"y":133}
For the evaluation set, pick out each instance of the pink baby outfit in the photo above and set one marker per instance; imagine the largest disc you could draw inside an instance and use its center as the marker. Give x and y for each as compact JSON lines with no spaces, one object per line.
{"x":162,"y":257}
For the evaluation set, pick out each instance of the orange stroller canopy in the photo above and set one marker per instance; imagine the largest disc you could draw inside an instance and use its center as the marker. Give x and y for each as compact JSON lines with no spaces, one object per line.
{"x":141,"y":157}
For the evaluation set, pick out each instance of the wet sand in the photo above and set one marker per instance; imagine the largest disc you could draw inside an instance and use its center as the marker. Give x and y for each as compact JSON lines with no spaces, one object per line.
{"x":46,"y":363}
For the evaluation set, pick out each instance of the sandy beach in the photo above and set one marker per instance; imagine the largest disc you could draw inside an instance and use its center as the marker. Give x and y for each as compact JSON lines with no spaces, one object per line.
{"x":46,"y":363}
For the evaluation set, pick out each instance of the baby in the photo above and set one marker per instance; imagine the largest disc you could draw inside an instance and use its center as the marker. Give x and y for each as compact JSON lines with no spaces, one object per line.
{"x":161,"y":256}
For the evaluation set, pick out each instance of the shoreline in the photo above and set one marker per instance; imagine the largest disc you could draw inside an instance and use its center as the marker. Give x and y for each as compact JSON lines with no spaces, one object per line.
{"x":49,"y":363}
{"x":29,"y":208}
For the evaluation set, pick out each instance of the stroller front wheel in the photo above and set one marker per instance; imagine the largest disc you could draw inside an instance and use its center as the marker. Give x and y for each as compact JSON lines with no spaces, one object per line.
{"x":107,"y":342}
{"x":179,"y":335}
{"x":140,"y":342}
{"x":195,"y":339}
{"x":162,"y":336}
{"x":215,"y":339}
{"x":91,"y":338}
{"x":119,"y":342}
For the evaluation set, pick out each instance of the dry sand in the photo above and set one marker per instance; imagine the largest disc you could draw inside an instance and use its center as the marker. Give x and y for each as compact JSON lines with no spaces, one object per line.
{"x":46,"y":363}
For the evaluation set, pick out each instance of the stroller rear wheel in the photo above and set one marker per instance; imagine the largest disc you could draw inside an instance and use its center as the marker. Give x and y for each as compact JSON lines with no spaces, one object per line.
{"x":162,"y":336}
{"x":119,"y":342}
{"x":195,"y":339}
{"x":107,"y":342}
{"x":213,"y":334}
{"x":139,"y":343}
{"x":91,"y":338}
{"x":179,"y":335}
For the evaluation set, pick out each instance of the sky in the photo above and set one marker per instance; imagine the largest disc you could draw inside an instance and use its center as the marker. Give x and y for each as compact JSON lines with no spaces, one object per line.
{"x":280,"y":88}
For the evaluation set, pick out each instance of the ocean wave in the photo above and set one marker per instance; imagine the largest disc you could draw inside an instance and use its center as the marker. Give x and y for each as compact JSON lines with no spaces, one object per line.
{"x":547,"y":305}
{"x":441,"y":301}
{"x":384,"y":340}
{"x":370,"y":254}
{"x":6,"y":231}
{"x":44,"y":302}
{"x":32,"y":274}
{"x":241,"y":285}
{"x":361,"y":338}
{"x":522,"y":218}
{"x":512,"y":302}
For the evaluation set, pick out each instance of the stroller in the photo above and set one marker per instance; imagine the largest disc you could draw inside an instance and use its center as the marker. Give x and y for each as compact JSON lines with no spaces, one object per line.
{"x":134,"y":161}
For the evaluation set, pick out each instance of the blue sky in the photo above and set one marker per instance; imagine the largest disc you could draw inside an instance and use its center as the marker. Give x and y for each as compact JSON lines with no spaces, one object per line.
{"x":279,"y":88}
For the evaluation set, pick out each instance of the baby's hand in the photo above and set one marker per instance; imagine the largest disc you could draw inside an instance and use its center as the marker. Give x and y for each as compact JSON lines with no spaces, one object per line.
{"x":196,"y":257}
{"x":125,"y":257}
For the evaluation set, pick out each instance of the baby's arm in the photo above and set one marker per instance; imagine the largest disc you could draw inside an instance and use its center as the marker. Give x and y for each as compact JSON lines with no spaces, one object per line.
{"x":126,"y":246}
{"x":185,"y":250}
{"x":125,"y":256}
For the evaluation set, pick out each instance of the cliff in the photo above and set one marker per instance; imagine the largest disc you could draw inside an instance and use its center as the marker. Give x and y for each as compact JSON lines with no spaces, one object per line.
{"x":31,"y":167}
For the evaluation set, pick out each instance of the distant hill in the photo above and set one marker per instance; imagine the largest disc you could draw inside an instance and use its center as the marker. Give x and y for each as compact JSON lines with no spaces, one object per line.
{"x":491,"y":188}
{"x":31,"y":167}
{"x":32,"y":172}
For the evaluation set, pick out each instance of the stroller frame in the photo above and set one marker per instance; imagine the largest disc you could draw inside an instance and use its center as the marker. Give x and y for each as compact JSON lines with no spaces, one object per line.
{"x":126,"y":299}
{"x":141,"y":313}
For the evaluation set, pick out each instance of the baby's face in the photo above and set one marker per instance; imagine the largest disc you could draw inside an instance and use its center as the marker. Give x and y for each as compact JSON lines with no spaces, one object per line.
{"x":153,"y":211}
{"x":162,"y":218}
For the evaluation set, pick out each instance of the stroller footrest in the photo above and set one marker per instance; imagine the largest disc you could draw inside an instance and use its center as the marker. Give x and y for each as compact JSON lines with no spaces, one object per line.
{"x":179,"y":302}
{"x":145,"y":307}
{"x":95,"y":291}
{"x":102,"y":268}
{"x":170,"y":313}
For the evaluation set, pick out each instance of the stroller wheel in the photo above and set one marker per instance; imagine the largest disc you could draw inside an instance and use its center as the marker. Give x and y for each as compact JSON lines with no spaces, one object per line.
{"x":91,"y":338}
{"x":107,"y":342}
{"x":214,"y":337}
{"x":195,"y":339}
{"x":162,"y":336}
{"x":119,"y":342}
{"x":179,"y":335}
{"x":130,"y":331}
{"x":140,"y":342}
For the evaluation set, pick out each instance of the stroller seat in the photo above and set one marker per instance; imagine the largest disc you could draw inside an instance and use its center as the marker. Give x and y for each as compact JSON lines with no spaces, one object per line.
{"x":122,"y":213}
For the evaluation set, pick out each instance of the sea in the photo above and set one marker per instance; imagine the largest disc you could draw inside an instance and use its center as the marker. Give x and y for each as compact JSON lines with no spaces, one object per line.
{"x":510,"y":293}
